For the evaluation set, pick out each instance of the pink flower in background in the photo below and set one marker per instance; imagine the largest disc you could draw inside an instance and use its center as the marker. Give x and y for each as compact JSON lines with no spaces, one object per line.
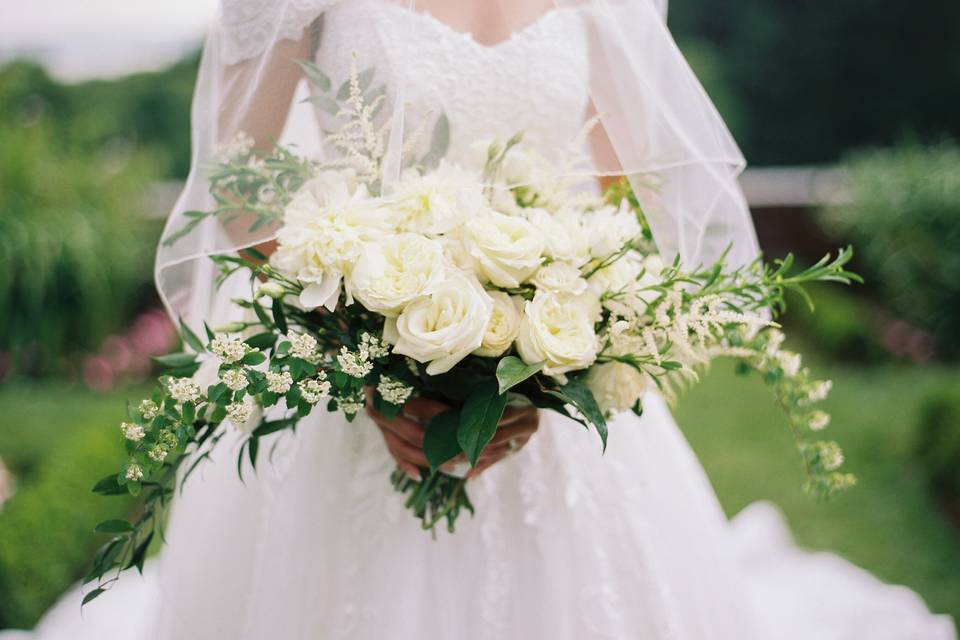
{"x":126,"y":358}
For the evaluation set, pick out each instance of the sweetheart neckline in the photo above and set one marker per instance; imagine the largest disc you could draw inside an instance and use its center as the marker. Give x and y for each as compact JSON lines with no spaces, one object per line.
{"x":515,"y":36}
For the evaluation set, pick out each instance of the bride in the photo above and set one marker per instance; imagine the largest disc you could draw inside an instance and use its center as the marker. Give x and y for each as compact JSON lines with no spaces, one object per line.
{"x":565,"y":543}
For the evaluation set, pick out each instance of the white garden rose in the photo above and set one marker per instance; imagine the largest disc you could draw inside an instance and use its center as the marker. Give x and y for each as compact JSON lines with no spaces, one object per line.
{"x":504,"y":324}
{"x":395,"y":270}
{"x":438,"y":201}
{"x":616,"y":386}
{"x":561,"y":278}
{"x":444,"y":327}
{"x":323,"y":234}
{"x":507,"y":249}
{"x":557,"y":332}
{"x":563,"y":233}
{"x":610,"y":228}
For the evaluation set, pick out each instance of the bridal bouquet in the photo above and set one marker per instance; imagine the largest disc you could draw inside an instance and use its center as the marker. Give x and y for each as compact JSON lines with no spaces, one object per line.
{"x":481,"y":284}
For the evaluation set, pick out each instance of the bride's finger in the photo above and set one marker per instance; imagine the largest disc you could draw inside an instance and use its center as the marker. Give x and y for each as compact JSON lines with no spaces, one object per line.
{"x":512,"y":415}
{"x":424,"y":409}
{"x":404,"y":450}
{"x":511,"y":432}
{"x":405,"y":428}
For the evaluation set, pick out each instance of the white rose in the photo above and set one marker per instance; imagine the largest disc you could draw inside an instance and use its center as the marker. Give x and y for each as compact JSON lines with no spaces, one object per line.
{"x":616,"y":386}
{"x":563,"y":233}
{"x":394,"y":271}
{"x":438,"y":201}
{"x":610,"y":228}
{"x":507,"y":249}
{"x":557,"y":332}
{"x":504,"y":324}
{"x":444,"y":327}
{"x":560,"y":278}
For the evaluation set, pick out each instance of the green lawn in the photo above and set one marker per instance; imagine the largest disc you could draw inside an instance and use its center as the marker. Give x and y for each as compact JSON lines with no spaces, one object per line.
{"x":57,"y":439}
{"x":888,"y":523}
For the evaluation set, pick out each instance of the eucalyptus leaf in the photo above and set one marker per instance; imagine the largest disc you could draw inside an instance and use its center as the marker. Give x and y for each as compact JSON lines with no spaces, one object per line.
{"x":315,"y":74}
{"x":439,"y":142}
{"x":92,"y":595}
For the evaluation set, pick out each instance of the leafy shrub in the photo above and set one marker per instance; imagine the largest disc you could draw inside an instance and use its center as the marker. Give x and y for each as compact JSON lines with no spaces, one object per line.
{"x":904,"y":219}
{"x":41,"y":524}
{"x":839,"y":326}
{"x":939,"y":442}
{"x":75,"y":249}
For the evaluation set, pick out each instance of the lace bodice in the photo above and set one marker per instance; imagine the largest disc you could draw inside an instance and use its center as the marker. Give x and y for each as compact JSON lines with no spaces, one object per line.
{"x":534,"y":82}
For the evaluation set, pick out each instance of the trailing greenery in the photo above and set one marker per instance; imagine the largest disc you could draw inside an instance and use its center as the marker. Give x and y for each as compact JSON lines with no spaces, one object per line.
{"x":905,"y":219}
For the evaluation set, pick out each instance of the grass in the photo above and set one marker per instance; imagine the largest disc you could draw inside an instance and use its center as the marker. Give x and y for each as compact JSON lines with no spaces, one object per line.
{"x":57,"y":440}
{"x":889,"y":523}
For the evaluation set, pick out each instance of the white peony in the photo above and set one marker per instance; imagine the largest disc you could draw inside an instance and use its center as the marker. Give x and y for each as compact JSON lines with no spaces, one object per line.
{"x":504,"y":324}
{"x":561,"y":278}
{"x":609,"y":228}
{"x":324,"y":228}
{"x":395,"y":270}
{"x":557,"y":332}
{"x":438,"y":201}
{"x":616,"y":386}
{"x":507,"y":250}
{"x":444,"y":327}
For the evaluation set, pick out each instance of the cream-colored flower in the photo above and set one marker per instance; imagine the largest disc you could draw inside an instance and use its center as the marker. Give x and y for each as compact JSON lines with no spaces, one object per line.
{"x":616,"y":386}
{"x":610,"y":228}
{"x":561,"y":278}
{"x":444,"y":327}
{"x":563,"y":232}
{"x":395,"y":270}
{"x":507,"y":249}
{"x":323,"y":234}
{"x":557,"y":332}
{"x":438,"y":201}
{"x":504,"y":324}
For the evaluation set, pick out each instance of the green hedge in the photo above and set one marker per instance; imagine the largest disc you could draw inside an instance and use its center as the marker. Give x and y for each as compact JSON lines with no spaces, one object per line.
{"x":904,"y":220}
{"x":46,"y":529}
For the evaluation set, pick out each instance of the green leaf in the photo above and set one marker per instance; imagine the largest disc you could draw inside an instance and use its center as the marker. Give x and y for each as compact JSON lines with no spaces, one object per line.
{"x":440,"y":442}
{"x":176,"y":360}
{"x":190,"y":338}
{"x":254,"y":358}
{"x":92,"y":595}
{"x":189,"y":412}
{"x":315,"y":75}
{"x":252,"y":450}
{"x":511,"y":371}
{"x":439,"y":142}
{"x":263,"y":340}
{"x":114,"y":526}
{"x":216,"y":391}
{"x":364,"y":79}
{"x":109,"y":486}
{"x":575,"y":392}
{"x":140,"y":553}
{"x":279,"y":316}
{"x":326,"y":103}
{"x":479,"y":418}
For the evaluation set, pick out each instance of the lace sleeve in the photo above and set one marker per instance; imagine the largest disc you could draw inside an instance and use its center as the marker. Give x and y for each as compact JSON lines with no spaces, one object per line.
{"x":248,"y":27}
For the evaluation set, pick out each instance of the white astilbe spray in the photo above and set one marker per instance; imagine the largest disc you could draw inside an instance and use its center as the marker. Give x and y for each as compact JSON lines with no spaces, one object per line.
{"x":360,"y":140}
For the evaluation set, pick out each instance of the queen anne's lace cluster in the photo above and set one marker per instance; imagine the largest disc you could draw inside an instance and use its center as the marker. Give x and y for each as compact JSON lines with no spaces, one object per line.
{"x":394,"y":391}
{"x":183,"y":390}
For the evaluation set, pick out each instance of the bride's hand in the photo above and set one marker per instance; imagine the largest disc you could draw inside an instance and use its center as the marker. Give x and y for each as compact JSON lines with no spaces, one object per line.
{"x":404,"y":434}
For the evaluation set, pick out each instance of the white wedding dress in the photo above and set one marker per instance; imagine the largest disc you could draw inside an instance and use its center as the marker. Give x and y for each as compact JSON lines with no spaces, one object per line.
{"x":566,"y":543}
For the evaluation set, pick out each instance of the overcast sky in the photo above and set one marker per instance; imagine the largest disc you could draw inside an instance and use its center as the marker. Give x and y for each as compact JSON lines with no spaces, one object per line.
{"x":79,"y":39}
